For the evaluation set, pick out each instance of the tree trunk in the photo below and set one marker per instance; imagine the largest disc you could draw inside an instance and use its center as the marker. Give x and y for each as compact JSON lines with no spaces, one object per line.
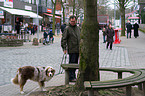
{"x":63,"y":10}
{"x":63,"y":14}
{"x":89,"y":45}
{"x":74,"y":6}
{"x":122,"y":10}
{"x":53,"y":24}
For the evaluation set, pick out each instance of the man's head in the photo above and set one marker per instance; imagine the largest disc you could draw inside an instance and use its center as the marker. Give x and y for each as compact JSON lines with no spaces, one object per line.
{"x":110,"y":25}
{"x":73,"y":20}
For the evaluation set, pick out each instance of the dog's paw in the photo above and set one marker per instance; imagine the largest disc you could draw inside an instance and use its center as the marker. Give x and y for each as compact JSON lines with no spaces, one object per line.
{"x":22,"y":92}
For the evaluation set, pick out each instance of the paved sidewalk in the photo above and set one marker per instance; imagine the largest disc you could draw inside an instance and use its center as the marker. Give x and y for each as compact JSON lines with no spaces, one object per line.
{"x":130,"y":53}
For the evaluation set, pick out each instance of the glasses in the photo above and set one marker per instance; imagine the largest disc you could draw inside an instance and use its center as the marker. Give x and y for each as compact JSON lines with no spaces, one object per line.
{"x":72,"y":21}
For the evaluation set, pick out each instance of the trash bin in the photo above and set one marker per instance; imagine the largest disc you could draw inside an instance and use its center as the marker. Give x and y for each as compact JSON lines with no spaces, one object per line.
{"x":117,"y":41}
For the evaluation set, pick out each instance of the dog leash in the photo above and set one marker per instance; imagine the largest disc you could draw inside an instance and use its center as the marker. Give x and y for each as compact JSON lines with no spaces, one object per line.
{"x":63,"y":59}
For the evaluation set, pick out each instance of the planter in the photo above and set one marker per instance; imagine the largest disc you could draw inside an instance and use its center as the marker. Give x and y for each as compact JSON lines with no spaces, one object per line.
{"x":35,"y":42}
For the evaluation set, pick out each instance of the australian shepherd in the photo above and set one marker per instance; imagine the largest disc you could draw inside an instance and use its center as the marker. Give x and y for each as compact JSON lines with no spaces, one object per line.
{"x":38,"y":74}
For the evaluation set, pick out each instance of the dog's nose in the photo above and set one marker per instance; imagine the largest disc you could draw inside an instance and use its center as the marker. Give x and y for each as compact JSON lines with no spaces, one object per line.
{"x":50,"y":74}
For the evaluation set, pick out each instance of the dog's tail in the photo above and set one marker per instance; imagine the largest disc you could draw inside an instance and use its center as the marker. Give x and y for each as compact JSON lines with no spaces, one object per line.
{"x":16,"y":79}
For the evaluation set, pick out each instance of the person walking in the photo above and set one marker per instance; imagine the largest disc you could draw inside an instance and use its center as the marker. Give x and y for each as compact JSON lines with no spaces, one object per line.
{"x":104,"y":35}
{"x":135,"y":27}
{"x":18,"y":27}
{"x":70,"y":44}
{"x":58,"y":28}
{"x":51,"y":38}
{"x":45,"y":37}
{"x":129,"y":27}
{"x":63,"y":27}
{"x":110,"y":33}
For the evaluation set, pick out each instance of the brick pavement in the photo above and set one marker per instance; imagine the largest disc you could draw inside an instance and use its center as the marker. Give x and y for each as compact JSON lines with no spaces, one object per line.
{"x":128,"y":54}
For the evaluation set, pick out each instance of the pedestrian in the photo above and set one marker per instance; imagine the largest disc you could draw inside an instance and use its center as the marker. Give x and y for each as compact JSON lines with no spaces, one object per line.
{"x":70,"y":44}
{"x":51,"y":38}
{"x":110,"y":33}
{"x":58,"y":28}
{"x":104,"y":35}
{"x":135,"y":27}
{"x":129,"y":27}
{"x":63,"y":27}
{"x":18,"y":26}
{"x":45,"y":37}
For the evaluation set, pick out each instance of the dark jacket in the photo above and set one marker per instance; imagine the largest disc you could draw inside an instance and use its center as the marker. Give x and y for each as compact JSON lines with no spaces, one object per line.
{"x":50,"y":34}
{"x":129,"y":27}
{"x":45,"y":35}
{"x":135,"y":27}
{"x":71,"y":39}
{"x":63,"y":27}
{"x":110,"y":33}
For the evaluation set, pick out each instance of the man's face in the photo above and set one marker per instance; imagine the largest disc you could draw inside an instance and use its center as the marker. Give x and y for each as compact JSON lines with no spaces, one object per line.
{"x":73,"y":22}
{"x":110,"y":25}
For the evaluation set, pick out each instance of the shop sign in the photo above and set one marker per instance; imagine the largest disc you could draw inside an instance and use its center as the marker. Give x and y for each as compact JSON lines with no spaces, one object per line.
{"x":1,"y":12}
{"x":49,"y":10}
{"x":28,"y":7}
{"x":58,"y":12}
{"x":8,"y":3}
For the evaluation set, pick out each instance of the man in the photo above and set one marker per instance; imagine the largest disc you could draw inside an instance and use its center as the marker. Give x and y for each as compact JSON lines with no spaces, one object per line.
{"x":129,"y":27}
{"x":70,"y":44}
{"x":135,"y":27}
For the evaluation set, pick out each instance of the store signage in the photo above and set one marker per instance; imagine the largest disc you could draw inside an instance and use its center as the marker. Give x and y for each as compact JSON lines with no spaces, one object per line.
{"x":58,"y":12}
{"x":49,"y":10}
{"x":28,"y":7}
{"x":8,"y":3}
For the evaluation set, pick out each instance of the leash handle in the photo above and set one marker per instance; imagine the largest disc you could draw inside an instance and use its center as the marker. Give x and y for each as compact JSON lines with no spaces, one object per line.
{"x":64,"y":57}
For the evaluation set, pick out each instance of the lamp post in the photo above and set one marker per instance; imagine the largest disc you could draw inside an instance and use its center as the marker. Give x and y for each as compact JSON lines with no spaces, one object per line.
{"x":37,"y":20}
{"x":114,"y":13}
{"x":63,"y":6}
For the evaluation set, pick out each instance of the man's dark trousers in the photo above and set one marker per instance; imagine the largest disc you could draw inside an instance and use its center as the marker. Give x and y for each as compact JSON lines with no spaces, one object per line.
{"x":73,"y":58}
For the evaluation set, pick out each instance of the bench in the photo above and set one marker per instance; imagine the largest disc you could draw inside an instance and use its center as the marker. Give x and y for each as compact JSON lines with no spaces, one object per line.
{"x":138,"y":78}
{"x":66,"y":67}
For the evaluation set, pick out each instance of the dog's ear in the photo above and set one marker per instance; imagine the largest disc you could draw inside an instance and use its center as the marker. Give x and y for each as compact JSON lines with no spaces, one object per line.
{"x":47,"y":68}
{"x":53,"y":71}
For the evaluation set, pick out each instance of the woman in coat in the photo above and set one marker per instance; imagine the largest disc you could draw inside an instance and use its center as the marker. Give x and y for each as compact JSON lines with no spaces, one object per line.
{"x":110,"y":33}
{"x":135,"y":27}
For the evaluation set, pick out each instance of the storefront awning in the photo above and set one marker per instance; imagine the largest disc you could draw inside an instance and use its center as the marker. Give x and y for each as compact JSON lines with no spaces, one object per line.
{"x":20,"y":12}
{"x":52,"y":15}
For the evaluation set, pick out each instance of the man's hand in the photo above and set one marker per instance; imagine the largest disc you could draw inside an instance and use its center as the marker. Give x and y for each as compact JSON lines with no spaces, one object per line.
{"x":65,"y":51}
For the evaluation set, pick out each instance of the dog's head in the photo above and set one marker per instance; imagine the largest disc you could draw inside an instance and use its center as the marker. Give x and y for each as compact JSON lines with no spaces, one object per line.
{"x":49,"y":71}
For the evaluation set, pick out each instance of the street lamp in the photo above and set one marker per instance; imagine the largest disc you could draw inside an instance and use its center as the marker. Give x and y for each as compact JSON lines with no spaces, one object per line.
{"x":114,"y":13}
{"x":63,"y":6}
{"x":37,"y":3}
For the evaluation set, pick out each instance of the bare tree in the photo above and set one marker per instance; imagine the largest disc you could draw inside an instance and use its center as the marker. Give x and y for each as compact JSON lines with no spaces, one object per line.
{"x":122,"y":6}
